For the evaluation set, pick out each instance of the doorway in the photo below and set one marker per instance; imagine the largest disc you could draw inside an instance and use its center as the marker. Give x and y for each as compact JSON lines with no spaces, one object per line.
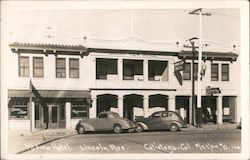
{"x":55,"y":114}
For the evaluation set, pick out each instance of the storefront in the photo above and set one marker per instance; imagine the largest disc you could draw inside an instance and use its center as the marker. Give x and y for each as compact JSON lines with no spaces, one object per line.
{"x":54,"y":109}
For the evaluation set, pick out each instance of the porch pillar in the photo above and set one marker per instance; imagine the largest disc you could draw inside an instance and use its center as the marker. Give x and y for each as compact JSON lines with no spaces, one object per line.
{"x":171,"y":103}
{"x":145,"y":106}
{"x":145,"y":70}
{"x":190,"y":110}
{"x":120,"y":106}
{"x":32,"y":116}
{"x":92,"y":110}
{"x":67,"y":114}
{"x":238,"y":108}
{"x":120,"y":69}
{"x":219,"y":110}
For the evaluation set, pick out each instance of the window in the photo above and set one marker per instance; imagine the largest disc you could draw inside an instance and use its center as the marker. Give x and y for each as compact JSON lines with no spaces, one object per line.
{"x":128,"y":72}
{"x":23,"y":66}
{"x":78,"y":110}
{"x":187,"y":71}
{"x":214,"y":72}
{"x":102,"y":71}
{"x":60,"y":68}
{"x":19,"y":110}
{"x":195,"y":71}
{"x":103,"y":116}
{"x":73,"y":68}
{"x":37,"y":66}
{"x":225,"y":72}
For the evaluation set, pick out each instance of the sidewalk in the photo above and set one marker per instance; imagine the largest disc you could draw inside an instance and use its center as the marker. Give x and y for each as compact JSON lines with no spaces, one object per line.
{"x":211,"y":126}
{"x":64,"y":132}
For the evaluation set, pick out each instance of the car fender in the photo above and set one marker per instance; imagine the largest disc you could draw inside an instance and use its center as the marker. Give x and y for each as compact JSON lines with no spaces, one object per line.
{"x":88,"y":127}
{"x":176,"y":122}
{"x":145,"y":127}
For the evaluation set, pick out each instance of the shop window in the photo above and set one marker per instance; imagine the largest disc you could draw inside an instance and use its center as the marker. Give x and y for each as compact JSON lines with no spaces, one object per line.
{"x":60,"y":68}
{"x":38,"y":66}
{"x":214,"y":72}
{"x":23,"y":66}
{"x":79,"y":110}
{"x":73,"y":68}
{"x":225,"y":72}
{"x":187,"y":71}
{"x":19,"y":111}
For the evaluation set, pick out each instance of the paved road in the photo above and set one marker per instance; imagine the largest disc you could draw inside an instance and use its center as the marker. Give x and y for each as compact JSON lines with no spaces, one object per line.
{"x":146,"y":142}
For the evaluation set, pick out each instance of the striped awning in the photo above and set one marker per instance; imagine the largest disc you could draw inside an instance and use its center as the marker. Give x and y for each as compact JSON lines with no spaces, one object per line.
{"x":50,"y":93}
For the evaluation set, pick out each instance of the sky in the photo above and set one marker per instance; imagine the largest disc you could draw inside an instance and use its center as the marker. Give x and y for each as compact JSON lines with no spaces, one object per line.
{"x":150,"y":24}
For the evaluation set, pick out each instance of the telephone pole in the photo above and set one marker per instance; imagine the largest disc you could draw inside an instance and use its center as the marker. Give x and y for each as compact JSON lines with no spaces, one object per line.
{"x":199,"y":110}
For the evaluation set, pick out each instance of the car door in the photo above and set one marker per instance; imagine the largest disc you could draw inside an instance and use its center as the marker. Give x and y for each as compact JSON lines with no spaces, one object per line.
{"x":154,"y":121}
{"x":165,"y":120}
{"x":102,"y":122}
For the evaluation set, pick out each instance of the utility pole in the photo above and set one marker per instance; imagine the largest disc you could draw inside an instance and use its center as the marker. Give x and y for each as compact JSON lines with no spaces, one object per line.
{"x":199,"y":111}
{"x":193,"y":107}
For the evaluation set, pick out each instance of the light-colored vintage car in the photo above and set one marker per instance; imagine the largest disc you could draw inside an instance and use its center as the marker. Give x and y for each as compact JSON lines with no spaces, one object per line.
{"x":106,"y":121}
{"x":161,"y":120}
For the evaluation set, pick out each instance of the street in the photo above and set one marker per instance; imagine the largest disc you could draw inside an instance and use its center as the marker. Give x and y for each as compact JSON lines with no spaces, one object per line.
{"x":223,"y":141}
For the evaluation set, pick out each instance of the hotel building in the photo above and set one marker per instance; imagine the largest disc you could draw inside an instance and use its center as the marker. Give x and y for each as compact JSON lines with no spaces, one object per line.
{"x":130,"y":76}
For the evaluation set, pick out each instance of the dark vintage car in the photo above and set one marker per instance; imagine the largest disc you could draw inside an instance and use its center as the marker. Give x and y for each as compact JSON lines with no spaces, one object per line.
{"x":161,"y":120}
{"x":106,"y":121}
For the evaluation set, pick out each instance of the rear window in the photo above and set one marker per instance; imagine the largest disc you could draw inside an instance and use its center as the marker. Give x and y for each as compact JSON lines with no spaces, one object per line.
{"x":103,"y":116}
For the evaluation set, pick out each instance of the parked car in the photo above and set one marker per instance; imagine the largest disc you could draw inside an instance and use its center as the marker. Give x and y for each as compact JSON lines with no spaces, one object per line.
{"x":161,"y":120}
{"x":106,"y":121}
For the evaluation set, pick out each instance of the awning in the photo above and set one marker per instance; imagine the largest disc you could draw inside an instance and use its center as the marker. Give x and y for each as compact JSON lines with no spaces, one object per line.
{"x":220,"y":56}
{"x":51,"y":93}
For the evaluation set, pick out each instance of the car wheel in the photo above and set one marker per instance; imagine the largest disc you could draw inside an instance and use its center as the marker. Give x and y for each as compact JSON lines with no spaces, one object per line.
{"x":117,"y":128}
{"x":80,"y":130}
{"x":139,"y":128}
{"x":173,"y":127}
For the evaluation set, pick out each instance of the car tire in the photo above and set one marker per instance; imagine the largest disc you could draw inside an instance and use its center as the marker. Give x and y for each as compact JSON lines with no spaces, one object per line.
{"x":117,"y":128}
{"x":173,"y":127}
{"x":80,"y":130}
{"x":139,"y":128}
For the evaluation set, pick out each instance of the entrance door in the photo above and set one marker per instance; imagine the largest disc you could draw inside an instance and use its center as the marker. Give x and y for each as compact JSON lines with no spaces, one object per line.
{"x":53,"y":116}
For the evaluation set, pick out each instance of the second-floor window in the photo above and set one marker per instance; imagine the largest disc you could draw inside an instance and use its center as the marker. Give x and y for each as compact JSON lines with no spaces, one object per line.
{"x":196,"y":71}
{"x":37,"y":66}
{"x":214,"y":72}
{"x":187,"y":71}
{"x":23,"y":66}
{"x":73,"y":68}
{"x":60,"y":68}
{"x":225,"y":72}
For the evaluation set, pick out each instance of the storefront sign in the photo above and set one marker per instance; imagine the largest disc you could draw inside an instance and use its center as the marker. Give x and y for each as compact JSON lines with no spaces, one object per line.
{"x":178,"y":66}
{"x":18,"y":111}
{"x":211,"y":91}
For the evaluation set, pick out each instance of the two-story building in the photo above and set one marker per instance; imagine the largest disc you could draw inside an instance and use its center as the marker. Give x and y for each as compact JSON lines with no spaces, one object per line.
{"x":130,"y":76}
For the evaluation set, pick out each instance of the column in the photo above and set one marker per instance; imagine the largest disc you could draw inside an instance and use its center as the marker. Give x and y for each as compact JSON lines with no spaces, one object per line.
{"x":94,"y":68}
{"x":67,"y":114}
{"x":171,"y":103}
{"x":190,"y":110}
{"x":145,"y":106}
{"x":120,"y":69}
{"x":145,"y":70}
{"x":219,"y":110}
{"x":92,"y":110}
{"x":32,"y":116}
{"x":120,"y":105}
{"x":238,"y":109}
